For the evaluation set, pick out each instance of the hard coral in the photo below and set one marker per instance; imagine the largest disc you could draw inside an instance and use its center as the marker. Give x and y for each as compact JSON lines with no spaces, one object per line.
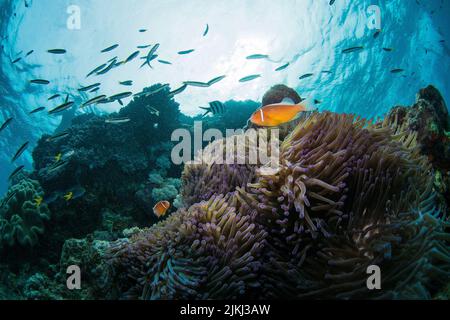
{"x":22,"y":221}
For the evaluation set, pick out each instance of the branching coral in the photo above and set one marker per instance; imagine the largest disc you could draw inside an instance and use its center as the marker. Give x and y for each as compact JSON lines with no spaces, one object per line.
{"x":21,"y":219}
{"x":210,"y":251}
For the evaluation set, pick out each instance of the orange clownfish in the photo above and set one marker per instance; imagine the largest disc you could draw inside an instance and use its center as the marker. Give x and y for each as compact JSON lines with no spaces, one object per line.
{"x":161,"y":208}
{"x":274,"y":115}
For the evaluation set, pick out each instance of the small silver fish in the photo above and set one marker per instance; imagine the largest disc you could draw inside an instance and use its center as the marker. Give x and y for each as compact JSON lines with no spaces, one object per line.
{"x":93,"y":101}
{"x":196,"y":84}
{"x":353,"y":49}
{"x":284,"y":66}
{"x":62,"y":107}
{"x":20,"y":151}
{"x":177,"y":91}
{"x":257,"y":56}
{"x":307,"y":75}
{"x":184,"y":52}
{"x":36,"y":110}
{"x":118,"y":120}
{"x":215,"y":80}
{"x":110,"y":48}
{"x":250,"y":78}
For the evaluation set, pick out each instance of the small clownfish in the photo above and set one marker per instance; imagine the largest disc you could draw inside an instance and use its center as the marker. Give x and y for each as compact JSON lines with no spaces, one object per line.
{"x":273,"y":115}
{"x":161,"y":208}
{"x":38,"y":201}
{"x":68,"y":196}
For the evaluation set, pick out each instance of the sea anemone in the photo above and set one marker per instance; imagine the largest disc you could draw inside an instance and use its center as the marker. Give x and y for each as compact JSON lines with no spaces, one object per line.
{"x":226,"y":164}
{"x":209,"y":251}
{"x":349,"y":195}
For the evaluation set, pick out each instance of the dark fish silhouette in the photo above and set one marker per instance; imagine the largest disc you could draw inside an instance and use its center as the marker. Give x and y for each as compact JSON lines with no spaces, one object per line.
{"x":250,"y":78}
{"x":87,"y":88}
{"x":352,"y":49}
{"x":118,"y":120}
{"x":40,"y":81}
{"x":111,"y":48}
{"x":37,"y":110}
{"x":57,"y":51}
{"x":58,"y":136}
{"x":206,"y":30}
{"x":111,"y":65}
{"x":284,"y":66}
{"x":15,"y":172}
{"x":307,"y":75}
{"x":215,"y":80}
{"x":132,"y":56}
{"x":196,"y":84}
{"x":186,"y":52}
{"x":5,"y":124}
{"x":62,"y":107}
{"x":93,"y":101}
{"x":215,"y":107}
{"x":121,"y":96}
{"x":20,"y":151}
{"x":177,"y":91}
{"x":126,"y":83}
{"x":96,"y":70}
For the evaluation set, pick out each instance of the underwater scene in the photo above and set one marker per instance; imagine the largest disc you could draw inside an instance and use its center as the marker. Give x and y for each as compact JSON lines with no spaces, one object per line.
{"x":224,"y":150}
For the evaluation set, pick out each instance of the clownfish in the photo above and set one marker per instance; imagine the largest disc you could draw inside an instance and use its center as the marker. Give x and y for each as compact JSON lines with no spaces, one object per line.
{"x":161,"y":208}
{"x":273,"y":115}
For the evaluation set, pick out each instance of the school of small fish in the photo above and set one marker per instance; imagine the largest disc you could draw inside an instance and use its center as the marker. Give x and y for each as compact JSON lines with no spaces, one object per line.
{"x":267,"y":116}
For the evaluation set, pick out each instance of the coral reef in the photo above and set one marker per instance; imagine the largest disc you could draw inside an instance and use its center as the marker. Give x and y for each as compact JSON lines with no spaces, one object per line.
{"x":348,"y":194}
{"x":345,"y":194}
{"x":22,"y":220}
{"x":430,"y":119}
{"x":110,"y":164}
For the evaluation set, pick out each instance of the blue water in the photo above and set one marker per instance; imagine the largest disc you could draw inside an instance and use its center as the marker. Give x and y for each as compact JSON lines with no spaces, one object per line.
{"x":308,"y":34}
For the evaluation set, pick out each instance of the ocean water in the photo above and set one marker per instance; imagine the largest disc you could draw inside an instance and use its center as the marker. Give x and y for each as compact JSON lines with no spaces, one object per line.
{"x":309,"y":35}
